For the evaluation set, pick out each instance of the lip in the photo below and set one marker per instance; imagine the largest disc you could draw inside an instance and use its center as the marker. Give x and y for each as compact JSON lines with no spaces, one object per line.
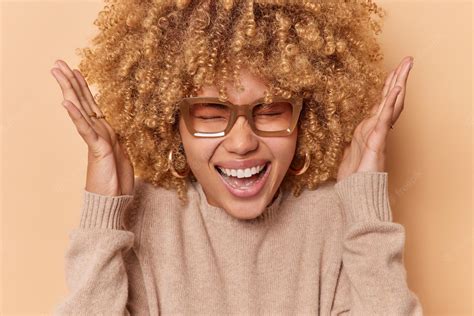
{"x":243,"y":164}
{"x":254,"y":190}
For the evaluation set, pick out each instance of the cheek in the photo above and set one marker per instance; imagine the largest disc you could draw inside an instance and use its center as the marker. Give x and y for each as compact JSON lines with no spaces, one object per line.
{"x":198,"y":150}
{"x":283,"y":149}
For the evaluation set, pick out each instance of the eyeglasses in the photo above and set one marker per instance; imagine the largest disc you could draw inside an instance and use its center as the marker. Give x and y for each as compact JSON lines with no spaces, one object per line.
{"x":211,"y":117}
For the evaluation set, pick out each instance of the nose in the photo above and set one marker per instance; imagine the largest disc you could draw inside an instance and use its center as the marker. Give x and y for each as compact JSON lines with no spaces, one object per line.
{"x":241,"y":139}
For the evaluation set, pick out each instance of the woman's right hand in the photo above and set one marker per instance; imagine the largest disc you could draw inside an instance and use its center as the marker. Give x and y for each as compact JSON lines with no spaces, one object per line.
{"x":109,"y":170}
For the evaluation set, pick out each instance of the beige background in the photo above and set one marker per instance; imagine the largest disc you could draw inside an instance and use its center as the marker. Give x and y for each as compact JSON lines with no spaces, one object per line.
{"x":430,"y":150}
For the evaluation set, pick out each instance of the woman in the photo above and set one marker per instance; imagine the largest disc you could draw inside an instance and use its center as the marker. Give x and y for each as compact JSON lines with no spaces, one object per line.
{"x":236,"y":162}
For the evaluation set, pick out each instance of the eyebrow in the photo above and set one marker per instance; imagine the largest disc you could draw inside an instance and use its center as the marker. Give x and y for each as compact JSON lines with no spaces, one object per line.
{"x":265,"y":106}
{"x":261,"y":99}
{"x":214,"y":105}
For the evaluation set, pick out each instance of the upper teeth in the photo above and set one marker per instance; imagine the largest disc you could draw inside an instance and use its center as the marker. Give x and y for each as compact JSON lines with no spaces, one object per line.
{"x":242,"y":173}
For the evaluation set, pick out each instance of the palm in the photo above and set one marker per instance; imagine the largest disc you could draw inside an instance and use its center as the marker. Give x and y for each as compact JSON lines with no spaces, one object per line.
{"x":366,"y":149}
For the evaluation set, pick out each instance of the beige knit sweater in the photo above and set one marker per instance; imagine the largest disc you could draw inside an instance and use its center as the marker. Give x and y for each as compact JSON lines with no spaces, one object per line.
{"x":331,"y":251}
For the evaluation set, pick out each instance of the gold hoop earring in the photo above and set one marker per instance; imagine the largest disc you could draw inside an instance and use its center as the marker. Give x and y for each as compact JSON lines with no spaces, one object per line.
{"x":173,"y":170}
{"x":307,"y":160}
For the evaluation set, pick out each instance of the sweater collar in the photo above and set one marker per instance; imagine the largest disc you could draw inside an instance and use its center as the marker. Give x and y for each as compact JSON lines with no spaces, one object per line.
{"x":219,"y":214}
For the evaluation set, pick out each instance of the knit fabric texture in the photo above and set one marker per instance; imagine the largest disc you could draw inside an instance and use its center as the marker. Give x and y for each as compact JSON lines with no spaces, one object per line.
{"x":334,"y":250}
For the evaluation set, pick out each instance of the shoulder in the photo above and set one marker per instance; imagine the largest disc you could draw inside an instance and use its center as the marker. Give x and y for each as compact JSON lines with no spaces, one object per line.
{"x":148,"y":197}
{"x":146,"y":192}
{"x":321,"y":204}
{"x":324,"y":193}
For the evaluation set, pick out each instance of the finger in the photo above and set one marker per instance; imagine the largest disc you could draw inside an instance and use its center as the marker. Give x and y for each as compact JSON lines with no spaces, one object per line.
{"x":400,"y":101}
{"x":86,"y":91}
{"x":399,"y":78}
{"x":384,"y":120}
{"x":90,"y":99}
{"x":398,"y":70}
{"x":376,"y":109}
{"x":387,"y":84}
{"x":75,"y":85}
{"x":83,"y":127}
{"x":68,"y":92}
{"x":377,"y":139}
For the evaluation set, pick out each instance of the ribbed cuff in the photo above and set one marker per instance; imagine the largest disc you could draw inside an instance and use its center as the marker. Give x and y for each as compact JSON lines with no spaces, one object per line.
{"x":102,"y":211}
{"x":364,"y":196}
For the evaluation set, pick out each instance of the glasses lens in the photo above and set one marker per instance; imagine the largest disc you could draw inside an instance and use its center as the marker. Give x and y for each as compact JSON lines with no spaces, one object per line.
{"x":209,"y":117}
{"x":273,"y":117}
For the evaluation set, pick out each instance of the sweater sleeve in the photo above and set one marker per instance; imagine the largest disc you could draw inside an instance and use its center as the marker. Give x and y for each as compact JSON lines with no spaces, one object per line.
{"x":372,"y":279}
{"x":95,"y":270}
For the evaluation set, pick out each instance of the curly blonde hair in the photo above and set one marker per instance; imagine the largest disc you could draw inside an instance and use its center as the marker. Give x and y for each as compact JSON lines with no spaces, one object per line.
{"x":150,"y":54}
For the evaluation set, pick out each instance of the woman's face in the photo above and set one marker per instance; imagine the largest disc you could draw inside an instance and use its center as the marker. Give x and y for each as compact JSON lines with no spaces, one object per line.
{"x":243,"y":198}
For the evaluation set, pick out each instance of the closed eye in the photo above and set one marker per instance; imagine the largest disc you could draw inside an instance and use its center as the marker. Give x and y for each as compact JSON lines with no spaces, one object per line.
{"x":209,"y":117}
{"x":269,"y":114}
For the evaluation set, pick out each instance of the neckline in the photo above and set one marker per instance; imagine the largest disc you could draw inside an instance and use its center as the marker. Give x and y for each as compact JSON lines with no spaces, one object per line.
{"x":220,"y":215}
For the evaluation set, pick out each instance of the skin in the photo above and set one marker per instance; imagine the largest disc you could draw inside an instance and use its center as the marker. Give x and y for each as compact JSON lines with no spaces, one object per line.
{"x":240,"y":144}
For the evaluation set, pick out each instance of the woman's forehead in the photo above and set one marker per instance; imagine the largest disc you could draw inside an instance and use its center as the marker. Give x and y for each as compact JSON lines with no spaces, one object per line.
{"x":254,"y":88}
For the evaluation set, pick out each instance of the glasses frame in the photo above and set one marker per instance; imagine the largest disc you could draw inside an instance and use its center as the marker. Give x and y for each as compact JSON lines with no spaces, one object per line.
{"x":239,"y":110}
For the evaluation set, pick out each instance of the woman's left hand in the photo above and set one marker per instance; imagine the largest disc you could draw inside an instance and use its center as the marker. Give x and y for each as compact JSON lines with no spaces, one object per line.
{"x":366,"y":151}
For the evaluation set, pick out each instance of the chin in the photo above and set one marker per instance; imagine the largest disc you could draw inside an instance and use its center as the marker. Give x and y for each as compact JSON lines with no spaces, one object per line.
{"x":245,"y":211}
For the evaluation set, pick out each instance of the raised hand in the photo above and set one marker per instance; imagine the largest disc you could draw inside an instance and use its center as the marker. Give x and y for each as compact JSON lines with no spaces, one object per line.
{"x":367,"y":150}
{"x":109,"y":170}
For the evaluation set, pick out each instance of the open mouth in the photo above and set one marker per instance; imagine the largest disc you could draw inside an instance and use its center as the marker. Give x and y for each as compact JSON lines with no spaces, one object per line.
{"x":245,"y":182}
